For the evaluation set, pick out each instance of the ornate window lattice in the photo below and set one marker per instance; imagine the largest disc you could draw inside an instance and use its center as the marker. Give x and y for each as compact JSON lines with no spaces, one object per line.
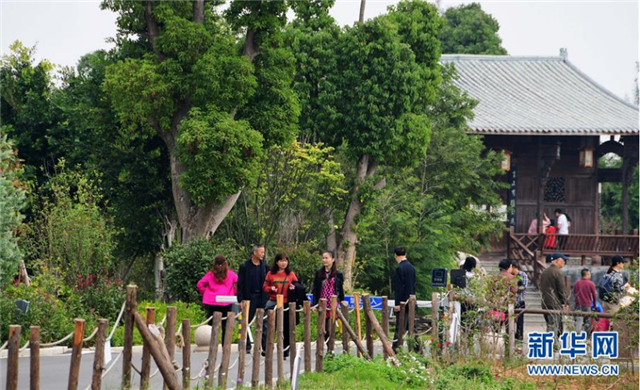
{"x":554,"y":190}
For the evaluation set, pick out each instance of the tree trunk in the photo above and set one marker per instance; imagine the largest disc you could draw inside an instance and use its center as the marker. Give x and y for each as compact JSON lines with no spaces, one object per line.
{"x":332,"y":240}
{"x":348,"y":237}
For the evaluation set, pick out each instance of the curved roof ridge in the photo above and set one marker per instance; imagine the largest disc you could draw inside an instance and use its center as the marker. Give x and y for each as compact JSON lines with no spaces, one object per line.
{"x":598,"y":85}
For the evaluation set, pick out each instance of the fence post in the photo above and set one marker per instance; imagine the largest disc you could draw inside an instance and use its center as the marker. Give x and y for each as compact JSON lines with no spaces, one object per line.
{"x":145,"y":369}
{"x":76,"y":353}
{"x":386,"y":344}
{"x":257,"y":348}
{"x":356,"y":303}
{"x":306,"y":309}
{"x":332,"y":324}
{"x":127,"y":351}
{"x":213,"y":347}
{"x":226,"y":350}
{"x":345,"y":322}
{"x":368,"y":326}
{"x":400,"y":324}
{"x":280,"y":336}
{"x":268,"y":360}
{"x":12,"y":357}
{"x":322,"y":309}
{"x":434,"y":316}
{"x":567,"y":284}
{"x":412,"y":315}
{"x":34,"y":347}
{"x":98,"y":357}
{"x":170,"y":331}
{"x":293,"y":350}
{"x":186,"y":354}
{"x":385,"y":322}
{"x":151,"y":336}
{"x":242,"y":343}
{"x":512,"y":331}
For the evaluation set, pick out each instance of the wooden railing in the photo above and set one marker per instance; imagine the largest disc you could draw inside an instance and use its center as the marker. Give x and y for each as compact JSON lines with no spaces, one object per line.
{"x":529,"y":249}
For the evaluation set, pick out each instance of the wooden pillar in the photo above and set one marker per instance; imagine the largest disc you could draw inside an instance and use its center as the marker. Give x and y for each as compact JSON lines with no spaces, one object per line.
{"x":268,"y":360}
{"x":13,"y":352}
{"x":626,"y":179}
{"x":356,"y":305}
{"x":242,"y":344}
{"x":127,"y":350}
{"x":257,"y":349}
{"x":385,"y":321}
{"x":322,"y":309}
{"x":186,"y":354}
{"x":76,"y":353}
{"x":213,"y":347}
{"x":34,"y":347}
{"x":306,"y":309}
{"x":145,"y":369}
{"x":98,"y":358}
{"x":293,"y":350}
{"x":223,"y":373}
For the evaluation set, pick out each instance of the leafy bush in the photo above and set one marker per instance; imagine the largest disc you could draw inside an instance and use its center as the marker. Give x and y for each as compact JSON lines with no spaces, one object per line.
{"x":52,"y":306}
{"x":186,"y":264}
{"x":100,"y":295}
{"x":191,"y":311}
{"x":71,"y":234}
{"x":12,"y":197}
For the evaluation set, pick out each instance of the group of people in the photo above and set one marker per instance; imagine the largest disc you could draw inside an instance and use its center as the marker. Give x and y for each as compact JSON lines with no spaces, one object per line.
{"x":610,"y":290}
{"x":510,"y":285}
{"x":259,"y":285}
{"x":552,"y":228}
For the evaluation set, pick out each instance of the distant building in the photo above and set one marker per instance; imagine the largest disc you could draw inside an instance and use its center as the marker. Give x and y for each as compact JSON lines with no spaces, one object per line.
{"x":549,"y":120}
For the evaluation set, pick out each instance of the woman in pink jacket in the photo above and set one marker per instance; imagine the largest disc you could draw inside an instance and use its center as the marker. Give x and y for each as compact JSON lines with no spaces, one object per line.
{"x":220,"y":281}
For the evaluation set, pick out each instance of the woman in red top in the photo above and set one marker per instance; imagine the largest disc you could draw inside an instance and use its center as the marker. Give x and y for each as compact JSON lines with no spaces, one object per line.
{"x":279,"y":281}
{"x":550,"y":241}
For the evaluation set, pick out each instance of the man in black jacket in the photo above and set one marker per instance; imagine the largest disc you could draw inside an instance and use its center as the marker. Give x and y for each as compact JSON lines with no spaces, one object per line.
{"x":404,"y":285}
{"x":251,"y":277}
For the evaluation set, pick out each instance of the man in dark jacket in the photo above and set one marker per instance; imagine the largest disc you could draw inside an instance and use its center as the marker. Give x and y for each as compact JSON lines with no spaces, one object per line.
{"x":404,"y":285}
{"x":251,"y":277}
{"x":554,"y":292}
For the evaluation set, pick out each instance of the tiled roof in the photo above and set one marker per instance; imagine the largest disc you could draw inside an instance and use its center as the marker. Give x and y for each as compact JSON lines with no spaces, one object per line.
{"x":540,"y":96}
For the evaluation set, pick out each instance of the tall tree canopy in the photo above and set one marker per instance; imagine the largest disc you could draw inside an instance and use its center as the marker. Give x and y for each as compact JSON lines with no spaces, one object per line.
{"x":215,"y":101}
{"x":366,"y":89}
{"x":470,"y":30}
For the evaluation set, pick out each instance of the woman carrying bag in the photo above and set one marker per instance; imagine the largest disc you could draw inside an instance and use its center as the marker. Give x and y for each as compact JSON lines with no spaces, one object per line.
{"x":219,"y":281}
{"x":328,"y":281}
{"x":279,"y":281}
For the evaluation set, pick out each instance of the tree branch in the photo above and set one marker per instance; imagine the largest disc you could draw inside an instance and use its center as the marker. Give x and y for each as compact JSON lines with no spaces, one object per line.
{"x":152,"y":28}
{"x":198,"y":11}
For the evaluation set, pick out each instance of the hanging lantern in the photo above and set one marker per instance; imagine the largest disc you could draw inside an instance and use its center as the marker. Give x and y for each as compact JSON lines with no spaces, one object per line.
{"x":505,"y":164}
{"x":586,"y":158}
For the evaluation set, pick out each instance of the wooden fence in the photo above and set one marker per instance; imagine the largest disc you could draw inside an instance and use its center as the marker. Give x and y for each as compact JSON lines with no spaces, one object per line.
{"x":160,"y":343}
{"x":162,"y":348}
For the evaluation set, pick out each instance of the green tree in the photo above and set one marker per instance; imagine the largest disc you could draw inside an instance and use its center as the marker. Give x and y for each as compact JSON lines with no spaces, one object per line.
{"x":26,"y":109}
{"x":470,"y":30}
{"x":71,"y":235}
{"x":387,"y":76}
{"x":214,"y":101}
{"x":611,"y":199}
{"x":443,"y":206}
{"x":286,"y":206}
{"x":12,"y":200}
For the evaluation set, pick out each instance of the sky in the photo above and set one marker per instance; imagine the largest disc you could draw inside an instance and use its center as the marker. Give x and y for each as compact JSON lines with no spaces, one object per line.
{"x":601,"y":36}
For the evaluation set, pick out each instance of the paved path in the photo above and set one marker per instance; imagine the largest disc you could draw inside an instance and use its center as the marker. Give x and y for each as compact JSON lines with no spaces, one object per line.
{"x":54,"y":370}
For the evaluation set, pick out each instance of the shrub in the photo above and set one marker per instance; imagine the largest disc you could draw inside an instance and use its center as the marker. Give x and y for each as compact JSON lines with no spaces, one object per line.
{"x":191,"y":311}
{"x":101,"y":296}
{"x":186,"y":264}
{"x":12,"y":197}
{"x":52,"y":306}
{"x":71,"y":234}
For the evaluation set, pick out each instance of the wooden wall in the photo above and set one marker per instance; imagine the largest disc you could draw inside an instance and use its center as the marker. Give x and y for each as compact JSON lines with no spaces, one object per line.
{"x":581,"y":184}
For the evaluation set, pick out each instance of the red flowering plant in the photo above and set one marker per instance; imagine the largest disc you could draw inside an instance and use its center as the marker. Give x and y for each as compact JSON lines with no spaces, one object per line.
{"x":101,"y":295}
